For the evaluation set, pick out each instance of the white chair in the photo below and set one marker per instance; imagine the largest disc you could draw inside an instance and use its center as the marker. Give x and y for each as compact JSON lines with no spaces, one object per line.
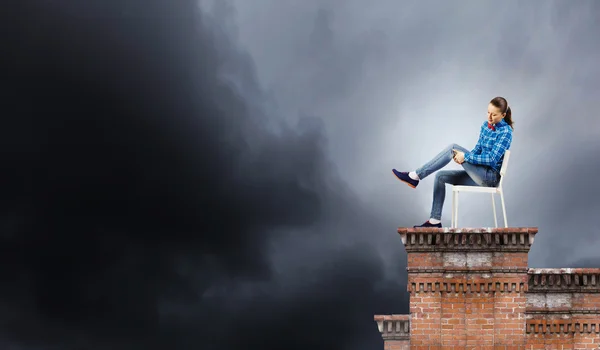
{"x":480,"y":189}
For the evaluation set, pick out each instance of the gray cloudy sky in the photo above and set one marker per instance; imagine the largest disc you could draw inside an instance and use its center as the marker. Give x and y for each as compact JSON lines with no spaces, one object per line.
{"x":217,"y":175}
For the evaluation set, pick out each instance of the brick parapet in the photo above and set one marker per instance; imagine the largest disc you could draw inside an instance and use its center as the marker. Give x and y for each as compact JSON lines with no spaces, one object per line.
{"x":564,"y":292}
{"x":564,"y":280}
{"x":467,"y":239}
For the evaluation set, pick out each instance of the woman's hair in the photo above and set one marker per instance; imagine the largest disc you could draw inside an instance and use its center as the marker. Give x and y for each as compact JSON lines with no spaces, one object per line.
{"x":502,"y":104}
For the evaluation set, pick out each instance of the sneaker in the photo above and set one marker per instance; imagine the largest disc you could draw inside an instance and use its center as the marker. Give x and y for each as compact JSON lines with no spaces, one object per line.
{"x":428,"y":224}
{"x":402,"y":176}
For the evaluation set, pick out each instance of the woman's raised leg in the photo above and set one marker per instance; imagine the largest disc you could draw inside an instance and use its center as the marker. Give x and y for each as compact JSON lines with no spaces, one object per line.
{"x":439,"y":161}
{"x":436,"y":163}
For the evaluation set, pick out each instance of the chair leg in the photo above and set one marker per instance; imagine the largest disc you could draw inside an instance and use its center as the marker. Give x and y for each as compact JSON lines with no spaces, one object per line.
{"x":503,"y":209}
{"x":494,"y":208}
{"x":456,"y":212}
{"x":453,"y":200}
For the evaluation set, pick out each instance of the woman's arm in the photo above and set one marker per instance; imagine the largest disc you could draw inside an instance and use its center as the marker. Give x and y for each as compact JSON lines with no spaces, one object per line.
{"x":477,"y":148}
{"x":492,"y":157}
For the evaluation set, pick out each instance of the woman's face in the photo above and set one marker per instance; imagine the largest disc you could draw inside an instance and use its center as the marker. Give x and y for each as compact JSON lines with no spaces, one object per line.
{"x":495,"y":115}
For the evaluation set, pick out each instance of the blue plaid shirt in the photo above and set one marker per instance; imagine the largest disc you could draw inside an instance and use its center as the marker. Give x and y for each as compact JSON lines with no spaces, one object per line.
{"x":491,"y":145}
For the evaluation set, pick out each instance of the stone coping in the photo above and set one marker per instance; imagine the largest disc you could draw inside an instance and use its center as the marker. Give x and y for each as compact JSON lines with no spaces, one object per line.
{"x":511,"y":239}
{"x":560,"y":271}
{"x":468,"y":230}
{"x":392,"y":317}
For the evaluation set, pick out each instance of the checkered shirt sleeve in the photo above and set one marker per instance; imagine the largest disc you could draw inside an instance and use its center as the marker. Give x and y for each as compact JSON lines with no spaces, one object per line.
{"x":491,"y":152}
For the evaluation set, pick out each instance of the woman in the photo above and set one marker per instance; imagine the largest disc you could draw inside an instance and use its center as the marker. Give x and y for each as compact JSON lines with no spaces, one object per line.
{"x":481,"y":165}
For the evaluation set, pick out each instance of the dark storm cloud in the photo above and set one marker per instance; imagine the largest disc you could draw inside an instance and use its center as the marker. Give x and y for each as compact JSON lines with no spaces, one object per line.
{"x":142,"y":195}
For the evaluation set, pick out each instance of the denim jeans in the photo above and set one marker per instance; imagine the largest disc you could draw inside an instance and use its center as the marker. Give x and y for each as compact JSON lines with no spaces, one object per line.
{"x":472,"y":175}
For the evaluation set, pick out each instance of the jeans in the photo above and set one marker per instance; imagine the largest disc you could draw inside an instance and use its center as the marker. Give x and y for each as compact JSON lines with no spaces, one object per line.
{"x":472,"y":175}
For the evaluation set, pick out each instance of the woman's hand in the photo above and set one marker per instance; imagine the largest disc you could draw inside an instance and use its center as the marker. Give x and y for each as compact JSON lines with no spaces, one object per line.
{"x":459,"y":157}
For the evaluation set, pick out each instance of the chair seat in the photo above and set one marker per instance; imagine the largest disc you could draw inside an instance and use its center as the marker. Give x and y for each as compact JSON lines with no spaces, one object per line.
{"x":476,"y":189}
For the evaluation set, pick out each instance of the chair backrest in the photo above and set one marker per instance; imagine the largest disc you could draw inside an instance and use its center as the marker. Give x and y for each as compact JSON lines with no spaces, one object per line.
{"x":504,"y":167}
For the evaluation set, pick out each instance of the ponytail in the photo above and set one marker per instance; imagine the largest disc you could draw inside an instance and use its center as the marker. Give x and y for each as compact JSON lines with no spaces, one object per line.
{"x":508,"y":117}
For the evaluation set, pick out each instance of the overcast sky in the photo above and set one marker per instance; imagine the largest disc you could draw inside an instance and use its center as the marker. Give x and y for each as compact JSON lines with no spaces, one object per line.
{"x":217,"y":175}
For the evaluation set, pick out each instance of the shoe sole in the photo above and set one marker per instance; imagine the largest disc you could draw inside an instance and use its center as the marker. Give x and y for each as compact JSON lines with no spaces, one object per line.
{"x":408,"y":183}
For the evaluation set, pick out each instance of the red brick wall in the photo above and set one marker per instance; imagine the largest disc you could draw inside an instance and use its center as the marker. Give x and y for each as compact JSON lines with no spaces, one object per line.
{"x":425,"y":326}
{"x":425,"y":299}
{"x":480,"y":319}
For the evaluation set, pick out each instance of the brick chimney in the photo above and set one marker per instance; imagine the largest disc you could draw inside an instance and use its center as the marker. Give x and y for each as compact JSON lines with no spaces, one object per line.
{"x":467,"y":287}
